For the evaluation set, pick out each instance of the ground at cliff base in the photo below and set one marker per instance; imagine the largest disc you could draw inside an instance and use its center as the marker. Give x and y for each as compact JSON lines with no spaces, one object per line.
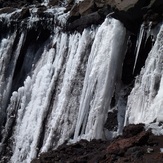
{"x":135,"y":145}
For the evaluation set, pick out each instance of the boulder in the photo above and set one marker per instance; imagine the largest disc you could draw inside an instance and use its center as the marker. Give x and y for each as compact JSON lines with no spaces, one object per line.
{"x":24,"y":13}
{"x":86,"y":7}
{"x":121,"y":145}
{"x":85,"y":21}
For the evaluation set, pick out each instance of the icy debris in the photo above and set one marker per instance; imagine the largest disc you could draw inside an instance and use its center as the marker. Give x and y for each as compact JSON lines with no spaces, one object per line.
{"x":155,"y":128}
{"x":161,"y":150}
{"x":55,"y":15}
{"x":33,"y":17}
{"x":149,"y":150}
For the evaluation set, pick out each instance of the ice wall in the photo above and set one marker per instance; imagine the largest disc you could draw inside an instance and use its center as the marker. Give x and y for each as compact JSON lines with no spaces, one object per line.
{"x":67,"y":89}
{"x":145,"y":101}
{"x":102,"y":75}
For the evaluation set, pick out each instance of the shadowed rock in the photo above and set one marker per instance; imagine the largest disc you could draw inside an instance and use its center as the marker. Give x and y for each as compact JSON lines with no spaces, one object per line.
{"x":85,"y":21}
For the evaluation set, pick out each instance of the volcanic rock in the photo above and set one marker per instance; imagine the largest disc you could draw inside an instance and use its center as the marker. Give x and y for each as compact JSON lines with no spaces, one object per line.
{"x":120,"y":150}
{"x":121,"y":145}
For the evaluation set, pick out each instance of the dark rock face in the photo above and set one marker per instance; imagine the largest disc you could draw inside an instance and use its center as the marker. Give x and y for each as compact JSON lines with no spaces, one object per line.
{"x":130,"y":13}
{"x":85,"y":13}
{"x":131,"y":149}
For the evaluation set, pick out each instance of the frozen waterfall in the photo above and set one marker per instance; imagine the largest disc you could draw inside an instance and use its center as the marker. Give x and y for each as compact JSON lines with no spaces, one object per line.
{"x":145,"y":101}
{"x":67,"y":89}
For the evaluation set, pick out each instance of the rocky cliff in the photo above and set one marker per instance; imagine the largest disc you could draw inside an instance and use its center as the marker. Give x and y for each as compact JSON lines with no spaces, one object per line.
{"x":85,"y":13}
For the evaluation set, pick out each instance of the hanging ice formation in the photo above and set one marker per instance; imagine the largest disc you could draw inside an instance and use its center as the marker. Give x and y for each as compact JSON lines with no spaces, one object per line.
{"x":103,"y":72}
{"x":144,"y":34}
{"x":68,"y":85}
{"x":145,"y":101}
{"x":138,"y":44}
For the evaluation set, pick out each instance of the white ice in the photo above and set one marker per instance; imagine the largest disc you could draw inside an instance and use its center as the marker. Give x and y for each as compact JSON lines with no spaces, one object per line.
{"x":6,"y":65}
{"x":145,"y":103}
{"x":138,"y":44}
{"x":62,"y":121}
{"x":103,"y":72}
{"x":53,"y":92}
{"x":60,"y":61}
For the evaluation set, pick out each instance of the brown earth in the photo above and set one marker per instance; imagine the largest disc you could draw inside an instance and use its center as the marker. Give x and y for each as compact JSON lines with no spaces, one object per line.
{"x":135,"y":147}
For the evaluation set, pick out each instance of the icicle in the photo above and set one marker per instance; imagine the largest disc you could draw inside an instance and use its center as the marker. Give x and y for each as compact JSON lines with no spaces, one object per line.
{"x":148,"y":32}
{"x":5,"y":82}
{"x":138,"y":44}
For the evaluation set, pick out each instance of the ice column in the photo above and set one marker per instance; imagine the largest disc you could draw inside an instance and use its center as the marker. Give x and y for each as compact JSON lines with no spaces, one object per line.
{"x":8,"y":60}
{"x":138,"y":44}
{"x":103,"y":71}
